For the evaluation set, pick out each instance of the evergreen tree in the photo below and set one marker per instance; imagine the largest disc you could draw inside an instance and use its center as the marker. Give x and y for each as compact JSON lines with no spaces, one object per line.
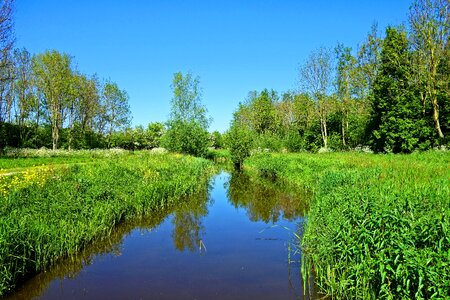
{"x":397,"y":122}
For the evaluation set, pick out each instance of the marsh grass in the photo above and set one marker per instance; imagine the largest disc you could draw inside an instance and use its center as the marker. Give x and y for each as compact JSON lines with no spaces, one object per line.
{"x":379,"y":225}
{"x":44,"y":221}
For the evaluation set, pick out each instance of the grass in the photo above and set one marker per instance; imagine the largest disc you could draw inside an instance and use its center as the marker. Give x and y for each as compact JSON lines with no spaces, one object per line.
{"x":379,"y":225}
{"x":19,"y":160}
{"x":58,"y":211}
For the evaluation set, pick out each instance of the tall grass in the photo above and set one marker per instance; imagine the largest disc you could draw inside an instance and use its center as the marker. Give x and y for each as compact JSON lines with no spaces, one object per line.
{"x":41,"y":222}
{"x":379,"y":225}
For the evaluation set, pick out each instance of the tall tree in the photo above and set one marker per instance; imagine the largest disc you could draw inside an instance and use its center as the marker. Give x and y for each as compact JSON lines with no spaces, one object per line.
{"x":368,"y":61}
{"x":316,"y":80}
{"x":263,"y":111}
{"x":116,"y":110}
{"x":7,"y":40}
{"x":430,"y":26}
{"x":186,"y":102}
{"x":53,"y":72}
{"x":396,"y":122}
{"x":345,"y":79}
{"x":188,"y":125}
{"x":23,"y":87}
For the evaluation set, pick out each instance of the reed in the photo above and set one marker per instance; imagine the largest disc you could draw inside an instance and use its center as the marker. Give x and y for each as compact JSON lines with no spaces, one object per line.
{"x":379,"y":225}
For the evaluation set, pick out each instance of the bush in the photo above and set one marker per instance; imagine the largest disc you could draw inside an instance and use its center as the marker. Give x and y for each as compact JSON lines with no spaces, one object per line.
{"x":240,"y":142}
{"x":186,"y":137}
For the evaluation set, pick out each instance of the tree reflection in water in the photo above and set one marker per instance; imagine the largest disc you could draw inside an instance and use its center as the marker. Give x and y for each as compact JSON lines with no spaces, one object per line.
{"x":187,"y":222}
{"x":264,"y":200}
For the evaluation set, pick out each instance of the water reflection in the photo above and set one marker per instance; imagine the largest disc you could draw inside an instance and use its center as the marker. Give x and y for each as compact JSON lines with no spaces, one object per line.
{"x":187,"y":222}
{"x":266,"y":201}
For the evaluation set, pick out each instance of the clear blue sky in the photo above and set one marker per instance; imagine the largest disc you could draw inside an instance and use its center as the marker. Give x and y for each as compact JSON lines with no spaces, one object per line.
{"x":234,"y":46}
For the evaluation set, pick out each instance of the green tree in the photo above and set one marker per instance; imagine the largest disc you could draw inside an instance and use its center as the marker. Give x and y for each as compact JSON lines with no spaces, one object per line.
{"x":53,"y":72}
{"x":216,"y":140}
{"x":154,"y":134}
{"x":345,"y":86}
{"x":115,"y":108}
{"x":316,"y":80}
{"x":396,"y":122}
{"x":187,"y":128}
{"x":23,"y":88}
{"x":6,"y":62}
{"x":240,"y":142}
{"x":430,"y":27}
{"x":263,"y":111}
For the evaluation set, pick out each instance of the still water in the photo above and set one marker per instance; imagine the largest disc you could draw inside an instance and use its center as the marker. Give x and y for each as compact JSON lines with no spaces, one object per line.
{"x":234,"y":241}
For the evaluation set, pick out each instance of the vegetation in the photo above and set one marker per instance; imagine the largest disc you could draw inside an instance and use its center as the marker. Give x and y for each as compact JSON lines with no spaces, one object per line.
{"x":187,"y":128}
{"x":49,"y":213}
{"x":391,"y":94}
{"x":378,"y":224}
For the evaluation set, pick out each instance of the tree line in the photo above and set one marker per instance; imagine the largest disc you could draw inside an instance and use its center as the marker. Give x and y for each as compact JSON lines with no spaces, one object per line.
{"x":391,"y":94}
{"x":45,"y":101}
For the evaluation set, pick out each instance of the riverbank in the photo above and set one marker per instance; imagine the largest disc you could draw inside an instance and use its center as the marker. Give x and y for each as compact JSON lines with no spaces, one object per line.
{"x":378,"y":226}
{"x":48,"y":213}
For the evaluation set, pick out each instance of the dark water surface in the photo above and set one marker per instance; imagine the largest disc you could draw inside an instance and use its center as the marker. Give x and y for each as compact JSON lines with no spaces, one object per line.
{"x":233,"y":242}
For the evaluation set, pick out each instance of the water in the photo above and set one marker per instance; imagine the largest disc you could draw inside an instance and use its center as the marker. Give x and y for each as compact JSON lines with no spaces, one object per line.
{"x":234,"y":242}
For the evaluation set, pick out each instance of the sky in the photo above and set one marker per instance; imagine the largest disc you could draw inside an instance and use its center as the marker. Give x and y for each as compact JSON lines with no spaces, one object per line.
{"x":233,"y":46}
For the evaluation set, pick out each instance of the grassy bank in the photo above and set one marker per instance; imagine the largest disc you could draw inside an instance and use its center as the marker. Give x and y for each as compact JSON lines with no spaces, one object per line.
{"x":379,"y":225}
{"x":49,"y":213}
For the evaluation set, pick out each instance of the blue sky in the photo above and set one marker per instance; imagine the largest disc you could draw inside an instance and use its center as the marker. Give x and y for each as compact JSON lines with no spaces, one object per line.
{"x":234,"y":46}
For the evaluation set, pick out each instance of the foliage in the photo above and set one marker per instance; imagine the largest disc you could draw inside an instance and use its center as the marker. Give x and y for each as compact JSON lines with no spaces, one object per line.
{"x":188,"y":124}
{"x":190,"y":138}
{"x":378,"y":224}
{"x":240,"y":142}
{"x":217,"y":141}
{"x":397,"y":121}
{"x":44,"y":220}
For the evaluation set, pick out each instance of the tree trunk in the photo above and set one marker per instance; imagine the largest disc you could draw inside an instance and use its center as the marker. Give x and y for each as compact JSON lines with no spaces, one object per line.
{"x":433,"y":94}
{"x":323,"y":130}
{"x":437,"y":125}
{"x":55,"y":135}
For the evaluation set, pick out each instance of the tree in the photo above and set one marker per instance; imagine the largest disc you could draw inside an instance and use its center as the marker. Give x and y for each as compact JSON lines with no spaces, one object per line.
{"x":23,"y":88}
{"x":345,"y":81}
{"x":368,"y":61}
{"x":396,"y":122}
{"x":6,"y":63}
{"x":186,"y":102}
{"x":84,"y":106}
{"x":316,"y":80}
{"x":240,"y":142}
{"x":430,"y":26}
{"x":263,"y":111}
{"x":115,"y":108}
{"x":53,"y":72}
{"x":154,"y":134}
{"x":187,"y":128}
{"x":216,"y":140}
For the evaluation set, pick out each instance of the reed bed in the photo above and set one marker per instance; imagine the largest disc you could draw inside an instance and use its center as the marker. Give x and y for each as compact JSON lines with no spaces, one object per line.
{"x":379,"y":225}
{"x":42,"y":220}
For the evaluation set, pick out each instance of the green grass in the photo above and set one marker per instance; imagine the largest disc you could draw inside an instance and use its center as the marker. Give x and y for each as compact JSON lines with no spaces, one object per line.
{"x":379,"y":225}
{"x":45,"y":220}
{"x":18,"y":160}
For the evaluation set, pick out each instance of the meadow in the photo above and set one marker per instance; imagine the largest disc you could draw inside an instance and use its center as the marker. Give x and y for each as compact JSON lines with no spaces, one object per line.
{"x":378,"y":225}
{"x":49,"y":212}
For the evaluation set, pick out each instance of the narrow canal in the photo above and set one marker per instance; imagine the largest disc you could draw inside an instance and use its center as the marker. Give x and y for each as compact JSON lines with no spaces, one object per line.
{"x":234,"y":241}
